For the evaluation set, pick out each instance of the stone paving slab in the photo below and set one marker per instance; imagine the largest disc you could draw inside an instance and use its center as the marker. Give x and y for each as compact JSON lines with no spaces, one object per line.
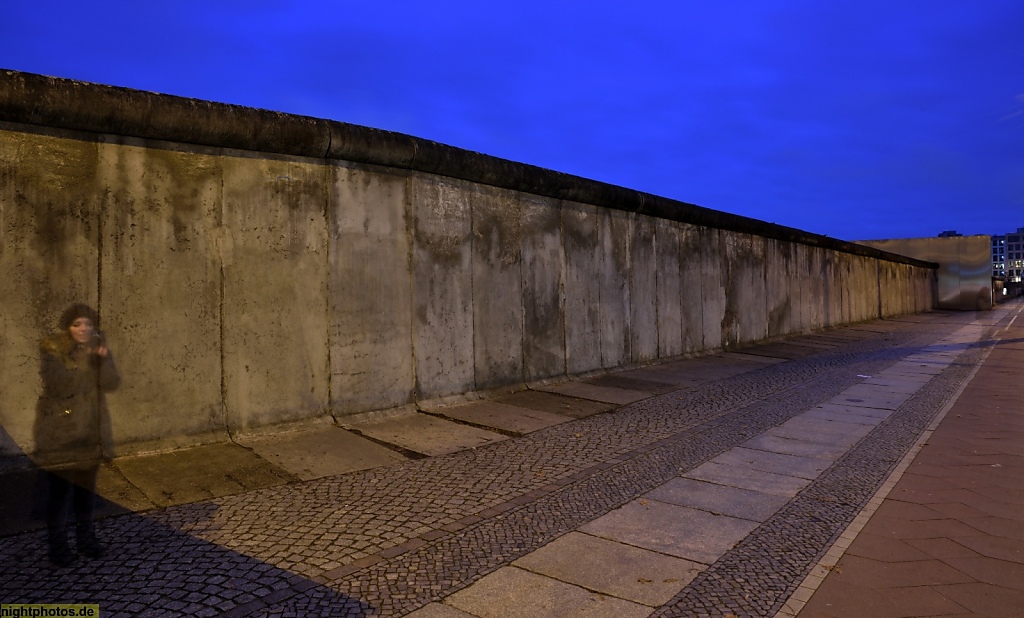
{"x":679,"y":531}
{"x":805,"y":433}
{"x":802,"y":447}
{"x":895,"y":385}
{"x":516,"y":593}
{"x":855,"y":412}
{"x":200,"y":473}
{"x":719,"y":499}
{"x":615,"y":569}
{"x":848,"y":414}
{"x":776,"y":463}
{"x":501,"y":416}
{"x":906,"y":373}
{"x":906,"y":368}
{"x":607,"y":394}
{"x":840,"y":428}
{"x":747,"y":478}
{"x":555,"y":403}
{"x":321,"y":452}
{"x":421,"y":433}
{"x":872,"y":396}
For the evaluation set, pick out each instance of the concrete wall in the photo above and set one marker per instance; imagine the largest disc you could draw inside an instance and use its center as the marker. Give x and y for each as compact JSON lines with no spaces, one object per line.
{"x":347,"y":270}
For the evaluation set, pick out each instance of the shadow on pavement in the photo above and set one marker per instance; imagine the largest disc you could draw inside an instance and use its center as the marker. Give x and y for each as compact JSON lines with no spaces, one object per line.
{"x":153,"y":565}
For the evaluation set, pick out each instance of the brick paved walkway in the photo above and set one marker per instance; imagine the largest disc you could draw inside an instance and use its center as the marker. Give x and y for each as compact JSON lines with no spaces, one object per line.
{"x":459,"y":534}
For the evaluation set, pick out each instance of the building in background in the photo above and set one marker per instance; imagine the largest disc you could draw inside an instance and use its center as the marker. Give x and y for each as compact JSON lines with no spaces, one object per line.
{"x":1008,"y":256}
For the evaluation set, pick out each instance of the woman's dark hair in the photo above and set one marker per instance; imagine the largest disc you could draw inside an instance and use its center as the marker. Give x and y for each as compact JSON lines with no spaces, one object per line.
{"x":79,"y":310}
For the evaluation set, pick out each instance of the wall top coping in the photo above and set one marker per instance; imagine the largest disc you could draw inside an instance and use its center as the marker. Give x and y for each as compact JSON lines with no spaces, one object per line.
{"x":39,"y":100}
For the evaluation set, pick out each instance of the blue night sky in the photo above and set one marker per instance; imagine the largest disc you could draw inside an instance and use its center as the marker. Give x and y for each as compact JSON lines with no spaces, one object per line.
{"x":868,"y":119}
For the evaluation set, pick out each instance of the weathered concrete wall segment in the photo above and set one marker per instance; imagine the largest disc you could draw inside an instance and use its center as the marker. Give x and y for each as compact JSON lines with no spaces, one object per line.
{"x":242,"y":289}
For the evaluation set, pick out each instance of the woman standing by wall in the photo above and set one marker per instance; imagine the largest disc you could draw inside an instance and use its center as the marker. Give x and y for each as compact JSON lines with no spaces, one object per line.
{"x":77,"y":369}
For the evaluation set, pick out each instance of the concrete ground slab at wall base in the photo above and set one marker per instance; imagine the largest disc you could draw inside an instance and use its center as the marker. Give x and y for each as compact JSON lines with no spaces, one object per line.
{"x":607,"y":394}
{"x":502,"y":416}
{"x":24,"y":503}
{"x":780,"y":350}
{"x":321,"y":452}
{"x":816,"y":341}
{"x":117,"y":494}
{"x":426,"y":434}
{"x":439,"y":610}
{"x":200,"y":473}
{"x":24,"y":493}
{"x":751,"y":358}
{"x":673,"y":379}
{"x":631,"y":382}
{"x":555,"y":403}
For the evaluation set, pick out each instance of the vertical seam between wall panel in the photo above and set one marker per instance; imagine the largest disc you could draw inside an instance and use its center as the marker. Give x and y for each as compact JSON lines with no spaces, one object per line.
{"x":472,"y":286}
{"x":562,"y":300}
{"x":99,"y":308}
{"x":679,"y":295}
{"x":878,"y":284}
{"x":99,"y":262}
{"x":630,"y":233}
{"x":220,"y":317}
{"x":410,"y":237}
{"x":601,"y":258}
{"x":764,"y":279}
{"x":522,"y":293}
{"x":328,"y":180}
{"x":657,"y":293}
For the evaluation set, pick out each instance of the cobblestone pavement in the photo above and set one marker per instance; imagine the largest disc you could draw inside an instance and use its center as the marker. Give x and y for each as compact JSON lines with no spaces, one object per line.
{"x":388,"y":541}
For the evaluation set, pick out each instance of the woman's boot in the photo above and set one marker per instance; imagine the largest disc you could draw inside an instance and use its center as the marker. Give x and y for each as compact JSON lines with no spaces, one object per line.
{"x":86,"y":541}
{"x":60,"y":553}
